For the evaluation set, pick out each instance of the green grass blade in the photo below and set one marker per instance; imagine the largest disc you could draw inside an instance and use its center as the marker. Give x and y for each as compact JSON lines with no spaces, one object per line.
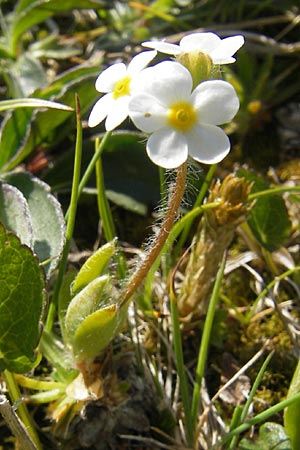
{"x":205,"y":342}
{"x":70,"y":219}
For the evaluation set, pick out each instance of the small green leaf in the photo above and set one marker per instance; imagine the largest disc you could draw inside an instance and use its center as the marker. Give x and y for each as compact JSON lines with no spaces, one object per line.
{"x":47,"y":220}
{"x":32,"y":103}
{"x":13,"y":129}
{"x":292,"y":412}
{"x":4,"y":51}
{"x":22,"y":299}
{"x":94,"y":266}
{"x":67,"y":78}
{"x":87,"y":301}
{"x":53,"y":46}
{"x":268,"y":218}
{"x":269,"y":221}
{"x":28,"y":74}
{"x":14,"y":213}
{"x":271,"y":437}
{"x":64,"y":298}
{"x":95,"y":333}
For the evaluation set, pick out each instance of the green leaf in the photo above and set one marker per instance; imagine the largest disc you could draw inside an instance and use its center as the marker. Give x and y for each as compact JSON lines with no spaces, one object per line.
{"x":87,"y":301}
{"x":32,"y":103}
{"x":14,"y":213}
{"x":22,"y":300}
{"x":32,"y":12}
{"x":28,"y":74}
{"x":94,"y":266}
{"x":65,"y":298}
{"x":54,"y":47}
{"x":96,"y":332}
{"x":24,"y":130}
{"x":68,"y":78}
{"x":271,"y":437}
{"x":268,"y":218}
{"x":131,"y":180}
{"x":292,"y":412}
{"x":14,"y":128}
{"x":47,"y":220}
{"x":4,"y":52}
{"x":269,"y":222}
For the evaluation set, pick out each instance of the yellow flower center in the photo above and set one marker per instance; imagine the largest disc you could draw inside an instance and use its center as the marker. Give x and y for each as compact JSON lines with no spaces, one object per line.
{"x":122,"y":87}
{"x":182,"y":116}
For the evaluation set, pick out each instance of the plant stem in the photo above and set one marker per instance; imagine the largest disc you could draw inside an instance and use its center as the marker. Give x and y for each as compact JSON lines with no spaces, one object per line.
{"x":273,"y":191}
{"x":103,"y":206}
{"x":244,"y":410}
{"x":261,"y":417}
{"x":70,"y":220}
{"x":198,"y":202}
{"x":92,"y":164}
{"x":205,"y":342}
{"x":181,"y":369}
{"x":269,"y":286}
{"x":21,"y":426}
{"x":90,"y":168}
{"x":105,"y":212}
{"x":173,"y":205}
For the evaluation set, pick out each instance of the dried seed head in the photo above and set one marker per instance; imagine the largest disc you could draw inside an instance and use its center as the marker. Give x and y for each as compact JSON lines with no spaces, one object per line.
{"x":232,"y":196}
{"x":215,"y":233}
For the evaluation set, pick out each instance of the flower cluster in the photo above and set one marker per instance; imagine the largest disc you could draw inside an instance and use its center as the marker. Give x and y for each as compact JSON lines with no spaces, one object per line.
{"x":179,"y":103}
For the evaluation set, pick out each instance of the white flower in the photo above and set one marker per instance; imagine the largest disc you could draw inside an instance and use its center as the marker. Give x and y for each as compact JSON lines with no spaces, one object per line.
{"x":117,"y":82}
{"x":182,"y":122}
{"x":219,"y":50}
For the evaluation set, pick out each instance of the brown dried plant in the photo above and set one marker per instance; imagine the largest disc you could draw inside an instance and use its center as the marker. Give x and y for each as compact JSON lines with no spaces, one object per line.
{"x":214,"y":235}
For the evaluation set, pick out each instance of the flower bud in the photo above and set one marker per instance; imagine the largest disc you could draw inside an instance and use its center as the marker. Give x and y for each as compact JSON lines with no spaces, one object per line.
{"x":199,"y":64}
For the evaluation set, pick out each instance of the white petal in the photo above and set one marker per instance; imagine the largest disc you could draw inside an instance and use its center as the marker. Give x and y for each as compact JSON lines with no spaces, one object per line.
{"x":227,"y":48}
{"x":167,"y":148}
{"x":168,"y":82}
{"x":100,"y":110}
{"x":118,"y":113}
{"x":163,"y":47}
{"x":107,"y":79}
{"x":204,"y":42}
{"x":215,"y":101}
{"x":208,"y":144}
{"x":147,"y":114}
{"x":140,"y":61}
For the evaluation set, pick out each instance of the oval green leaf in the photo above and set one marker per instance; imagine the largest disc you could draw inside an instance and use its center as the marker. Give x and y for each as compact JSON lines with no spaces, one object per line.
{"x":48,"y":223}
{"x":95,"y":333}
{"x":22,"y":299}
{"x":85,"y":303}
{"x":269,"y":221}
{"x":28,"y":74}
{"x":271,"y":436}
{"x":268,"y":218}
{"x":14,"y":213}
{"x":94,"y":266}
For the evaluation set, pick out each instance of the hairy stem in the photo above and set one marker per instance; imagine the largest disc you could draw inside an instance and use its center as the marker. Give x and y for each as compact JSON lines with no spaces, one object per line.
{"x":175,"y":198}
